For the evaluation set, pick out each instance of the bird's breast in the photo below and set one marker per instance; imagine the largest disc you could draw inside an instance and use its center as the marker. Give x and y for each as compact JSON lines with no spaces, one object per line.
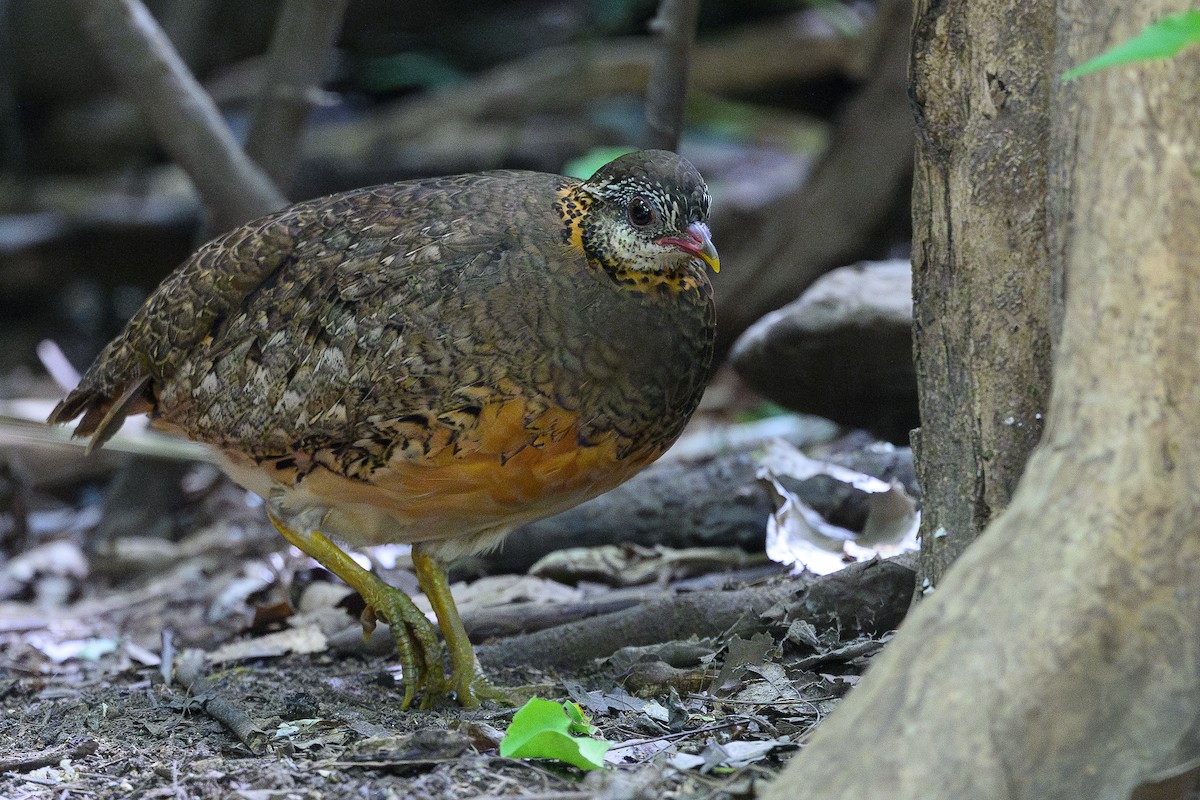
{"x":463,"y":488}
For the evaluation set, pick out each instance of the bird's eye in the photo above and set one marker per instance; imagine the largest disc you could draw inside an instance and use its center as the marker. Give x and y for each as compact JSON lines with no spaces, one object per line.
{"x":641,"y":213}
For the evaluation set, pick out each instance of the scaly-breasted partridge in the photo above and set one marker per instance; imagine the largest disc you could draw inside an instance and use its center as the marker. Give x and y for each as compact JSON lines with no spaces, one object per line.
{"x":435,"y":361}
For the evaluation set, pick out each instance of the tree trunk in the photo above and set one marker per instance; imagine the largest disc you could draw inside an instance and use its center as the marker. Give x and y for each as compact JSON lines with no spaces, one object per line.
{"x":981,"y":277}
{"x":1060,"y":657}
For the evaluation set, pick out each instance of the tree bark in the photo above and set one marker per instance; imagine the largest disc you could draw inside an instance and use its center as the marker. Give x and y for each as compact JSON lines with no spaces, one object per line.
{"x":1060,"y":657}
{"x":981,"y":275}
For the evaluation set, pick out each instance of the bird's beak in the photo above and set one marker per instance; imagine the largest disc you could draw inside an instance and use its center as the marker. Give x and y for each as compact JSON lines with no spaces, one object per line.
{"x":698,"y":243}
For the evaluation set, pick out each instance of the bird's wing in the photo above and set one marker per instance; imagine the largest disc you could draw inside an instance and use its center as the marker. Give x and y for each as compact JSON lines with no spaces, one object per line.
{"x":287,"y":320}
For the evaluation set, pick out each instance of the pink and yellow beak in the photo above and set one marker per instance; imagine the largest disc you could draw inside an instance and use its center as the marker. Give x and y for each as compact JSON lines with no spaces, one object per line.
{"x":698,"y":243}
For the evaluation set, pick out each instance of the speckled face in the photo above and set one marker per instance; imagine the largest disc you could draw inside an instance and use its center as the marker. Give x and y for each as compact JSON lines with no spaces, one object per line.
{"x":649,"y":214}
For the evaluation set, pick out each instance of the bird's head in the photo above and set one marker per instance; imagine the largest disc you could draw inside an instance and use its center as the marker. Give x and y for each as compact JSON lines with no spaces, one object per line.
{"x":644,"y":213}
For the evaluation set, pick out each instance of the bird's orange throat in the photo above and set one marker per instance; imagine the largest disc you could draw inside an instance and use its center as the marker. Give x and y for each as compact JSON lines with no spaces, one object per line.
{"x":674,"y":283}
{"x":572,"y":205}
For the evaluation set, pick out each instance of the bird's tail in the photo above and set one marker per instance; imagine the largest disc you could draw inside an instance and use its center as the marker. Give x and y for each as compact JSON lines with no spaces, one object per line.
{"x":105,"y":397}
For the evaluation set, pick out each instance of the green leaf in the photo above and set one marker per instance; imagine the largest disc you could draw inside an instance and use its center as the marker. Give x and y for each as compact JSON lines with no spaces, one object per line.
{"x":581,"y":723}
{"x":541,"y":729}
{"x":1161,"y":39}
{"x":404,"y":70}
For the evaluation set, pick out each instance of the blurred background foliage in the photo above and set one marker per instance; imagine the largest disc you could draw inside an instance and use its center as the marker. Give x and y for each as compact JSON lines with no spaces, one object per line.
{"x":92,"y":215}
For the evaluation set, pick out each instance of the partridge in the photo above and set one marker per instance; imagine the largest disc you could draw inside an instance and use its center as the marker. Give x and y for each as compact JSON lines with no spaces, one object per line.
{"x":433,"y":362}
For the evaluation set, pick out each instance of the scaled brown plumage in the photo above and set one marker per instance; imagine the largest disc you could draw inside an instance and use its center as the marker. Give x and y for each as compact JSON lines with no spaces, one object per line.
{"x":434,"y":361}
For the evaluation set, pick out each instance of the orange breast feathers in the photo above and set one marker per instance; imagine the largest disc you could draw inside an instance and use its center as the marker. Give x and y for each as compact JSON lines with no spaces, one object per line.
{"x":507,"y":470}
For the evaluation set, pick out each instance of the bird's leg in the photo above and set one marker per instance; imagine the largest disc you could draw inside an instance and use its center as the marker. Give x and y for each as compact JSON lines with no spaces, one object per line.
{"x":467,"y":682}
{"x":414,"y":635}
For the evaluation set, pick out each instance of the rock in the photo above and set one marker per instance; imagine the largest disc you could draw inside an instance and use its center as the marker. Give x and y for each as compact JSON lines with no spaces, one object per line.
{"x":843,"y":350}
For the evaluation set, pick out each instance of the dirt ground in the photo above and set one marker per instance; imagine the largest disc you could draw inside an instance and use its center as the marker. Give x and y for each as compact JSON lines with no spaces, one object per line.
{"x":202,"y":660}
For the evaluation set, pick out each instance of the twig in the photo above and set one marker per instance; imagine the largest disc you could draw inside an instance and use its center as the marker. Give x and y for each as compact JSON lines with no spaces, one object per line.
{"x":720,"y":726}
{"x":218,"y":707}
{"x":667,"y":91}
{"x":304,"y":34}
{"x":177,"y":109}
{"x":16,"y":432}
{"x":49,"y":758}
{"x":516,"y":618}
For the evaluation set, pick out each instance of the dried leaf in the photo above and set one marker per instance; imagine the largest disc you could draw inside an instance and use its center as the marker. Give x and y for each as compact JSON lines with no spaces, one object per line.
{"x":743,"y":653}
{"x":735,"y":755}
{"x":308,"y":639}
{"x":598,"y":702}
{"x":798,"y":535}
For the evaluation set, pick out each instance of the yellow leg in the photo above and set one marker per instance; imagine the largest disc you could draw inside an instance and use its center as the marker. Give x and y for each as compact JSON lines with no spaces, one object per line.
{"x":468,"y":684}
{"x":414,"y":635}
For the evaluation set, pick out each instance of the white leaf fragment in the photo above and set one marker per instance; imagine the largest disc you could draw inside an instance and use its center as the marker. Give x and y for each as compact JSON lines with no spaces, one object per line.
{"x":799,"y":536}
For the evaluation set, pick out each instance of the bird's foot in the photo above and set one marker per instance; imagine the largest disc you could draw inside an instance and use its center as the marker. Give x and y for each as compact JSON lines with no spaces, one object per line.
{"x":415,"y":636}
{"x":465,"y":680}
{"x":480,"y":689}
{"x":416,"y":642}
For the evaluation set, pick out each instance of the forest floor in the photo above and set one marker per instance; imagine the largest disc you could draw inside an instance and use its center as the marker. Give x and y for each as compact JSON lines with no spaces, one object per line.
{"x":119,"y":660}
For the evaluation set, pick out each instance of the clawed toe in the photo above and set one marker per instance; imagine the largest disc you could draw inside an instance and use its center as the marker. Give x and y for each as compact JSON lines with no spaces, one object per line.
{"x":420,"y":651}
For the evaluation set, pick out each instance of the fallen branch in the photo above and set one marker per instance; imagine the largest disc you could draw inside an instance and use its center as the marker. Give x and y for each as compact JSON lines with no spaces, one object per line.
{"x":49,"y":758}
{"x":182,"y":116}
{"x":717,"y":503}
{"x":871,"y":597}
{"x":519,"y":618}
{"x":205,"y":697}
